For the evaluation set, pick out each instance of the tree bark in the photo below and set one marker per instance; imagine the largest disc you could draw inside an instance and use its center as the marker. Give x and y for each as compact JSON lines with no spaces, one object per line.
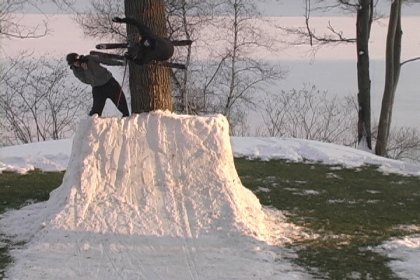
{"x":392,"y":74}
{"x":363,"y":26}
{"x":149,"y":85}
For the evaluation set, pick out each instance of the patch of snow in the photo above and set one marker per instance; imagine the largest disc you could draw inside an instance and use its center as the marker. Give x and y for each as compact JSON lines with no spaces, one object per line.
{"x":405,"y":255}
{"x":300,"y":150}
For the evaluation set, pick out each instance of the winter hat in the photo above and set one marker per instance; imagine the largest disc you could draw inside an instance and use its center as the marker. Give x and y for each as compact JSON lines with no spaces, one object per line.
{"x":71,"y":58}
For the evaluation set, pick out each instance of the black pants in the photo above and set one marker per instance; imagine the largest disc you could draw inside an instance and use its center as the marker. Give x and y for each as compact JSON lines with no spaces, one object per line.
{"x":113,"y":91}
{"x":161,"y":50}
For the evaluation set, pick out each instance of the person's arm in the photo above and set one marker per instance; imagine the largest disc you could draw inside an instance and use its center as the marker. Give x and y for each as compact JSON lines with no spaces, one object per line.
{"x":80,"y":74}
{"x":106,"y":61}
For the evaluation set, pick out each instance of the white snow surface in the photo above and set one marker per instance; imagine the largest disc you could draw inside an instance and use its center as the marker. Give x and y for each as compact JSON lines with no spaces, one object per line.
{"x":54,"y":155}
{"x":153,"y":196}
{"x":50,"y":155}
{"x":298,"y":150}
{"x":156,"y":196}
{"x":405,"y":253}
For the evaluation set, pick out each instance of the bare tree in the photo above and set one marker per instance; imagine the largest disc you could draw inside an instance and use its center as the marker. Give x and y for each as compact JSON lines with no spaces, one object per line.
{"x":237,"y":76}
{"x":10,"y":26}
{"x":149,"y":84}
{"x":185,"y":19}
{"x":403,"y":143}
{"x":37,"y":103}
{"x":97,"y":22}
{"x":392,"y":73}
{"x":364,"y":10}
{"x":309,"y":113}
{"x":363,"y":28}
{"x":308,"y":35}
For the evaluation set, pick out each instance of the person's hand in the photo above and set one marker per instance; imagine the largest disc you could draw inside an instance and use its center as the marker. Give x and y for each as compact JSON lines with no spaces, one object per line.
{"x":83,"y":58}
{"x":118,"y":19}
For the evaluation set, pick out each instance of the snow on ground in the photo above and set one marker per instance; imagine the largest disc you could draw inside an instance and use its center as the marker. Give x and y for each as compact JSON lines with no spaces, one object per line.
{"x":156,"y":196}
{"x":405,"y":254}
{"x":54,"y":155}
{"x":47,"y":156}
{"x":266,"y":148}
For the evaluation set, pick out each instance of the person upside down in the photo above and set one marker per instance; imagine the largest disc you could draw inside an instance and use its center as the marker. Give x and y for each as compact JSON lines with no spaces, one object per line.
{"x":151,"y":47}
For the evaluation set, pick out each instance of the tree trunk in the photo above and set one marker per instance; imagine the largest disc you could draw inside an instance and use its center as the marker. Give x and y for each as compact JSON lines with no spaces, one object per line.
{"x":149,"y":85}
{"x":392,"y":74}
{"x":363,"y":26}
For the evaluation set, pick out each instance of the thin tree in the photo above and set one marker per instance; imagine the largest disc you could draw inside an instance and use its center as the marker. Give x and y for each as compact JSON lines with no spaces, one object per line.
{"x":149,"y":84}
{"x":185,"y":18}
{"x":364,"y":10}
{"x":238,"y":76}
{"x":363,"y":28}
{"x":392,"y":73}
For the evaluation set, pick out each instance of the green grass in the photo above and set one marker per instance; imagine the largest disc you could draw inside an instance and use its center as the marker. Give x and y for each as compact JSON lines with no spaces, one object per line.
{"x":350,"y":209}
{"x":17,"y":190}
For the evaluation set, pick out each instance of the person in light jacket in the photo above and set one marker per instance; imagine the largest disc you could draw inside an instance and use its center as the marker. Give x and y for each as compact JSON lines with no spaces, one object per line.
{"x":88,"y":69}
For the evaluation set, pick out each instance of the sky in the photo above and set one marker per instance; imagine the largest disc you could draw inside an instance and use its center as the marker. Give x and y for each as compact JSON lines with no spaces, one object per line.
{"x":267,"y":8}
{"x":129,"y":206}
{"x":64,"y":35}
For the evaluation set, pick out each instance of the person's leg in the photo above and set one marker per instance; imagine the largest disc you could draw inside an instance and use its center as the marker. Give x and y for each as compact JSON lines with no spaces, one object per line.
{"x":144,"y":31}
{"x":117,"y":96}
{"x":142,"y":55}
{"x":99,"y":100}
{"x":122,"y":105}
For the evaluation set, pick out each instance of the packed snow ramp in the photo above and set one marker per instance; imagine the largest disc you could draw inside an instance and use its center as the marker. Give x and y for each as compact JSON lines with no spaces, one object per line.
{"x":156,"y":174}
{"x":152,"y":196}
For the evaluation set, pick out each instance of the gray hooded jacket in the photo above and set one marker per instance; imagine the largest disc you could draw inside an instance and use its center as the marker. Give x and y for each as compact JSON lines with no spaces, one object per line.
{"x":95,"y":75}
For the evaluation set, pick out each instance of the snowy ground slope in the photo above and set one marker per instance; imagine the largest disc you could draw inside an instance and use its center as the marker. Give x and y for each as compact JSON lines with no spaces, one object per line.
{"x":153,"y":196}
{"x":293,"y":149}
{"x":50,"y":155}
{"x":54,"y":155}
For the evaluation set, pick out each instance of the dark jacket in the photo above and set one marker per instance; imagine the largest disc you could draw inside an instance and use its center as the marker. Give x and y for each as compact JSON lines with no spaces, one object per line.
{"x":95,"y":74}
{"x":151,"y":46}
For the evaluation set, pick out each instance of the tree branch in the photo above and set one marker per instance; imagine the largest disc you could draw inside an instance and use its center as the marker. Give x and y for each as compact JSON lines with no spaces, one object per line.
{"x":410,"y":60}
